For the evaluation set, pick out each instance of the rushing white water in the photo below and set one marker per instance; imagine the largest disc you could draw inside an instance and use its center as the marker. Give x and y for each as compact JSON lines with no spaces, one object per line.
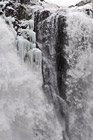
{"x":24,"y":111}
{"x":80,"y":82}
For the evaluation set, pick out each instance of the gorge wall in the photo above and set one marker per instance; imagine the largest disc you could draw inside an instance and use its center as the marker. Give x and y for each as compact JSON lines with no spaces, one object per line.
{"x":65,"y":38}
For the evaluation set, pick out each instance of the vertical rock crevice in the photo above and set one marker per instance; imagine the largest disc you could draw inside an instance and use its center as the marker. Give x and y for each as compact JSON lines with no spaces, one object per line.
{"x":61,"y":63}
{"x":61,"y":70}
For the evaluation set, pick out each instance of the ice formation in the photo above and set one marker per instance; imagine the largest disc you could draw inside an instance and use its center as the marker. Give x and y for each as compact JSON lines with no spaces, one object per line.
{"x":32,"y":35}
{"x":31,"y":24}
{"x":35,"y":57}
{"x":32,"y":45}
{"x":27,"y":49}
{"x":23,"y":46}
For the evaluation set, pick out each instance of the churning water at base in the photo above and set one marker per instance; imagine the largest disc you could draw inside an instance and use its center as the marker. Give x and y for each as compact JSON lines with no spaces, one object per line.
{"x":24,"y":111}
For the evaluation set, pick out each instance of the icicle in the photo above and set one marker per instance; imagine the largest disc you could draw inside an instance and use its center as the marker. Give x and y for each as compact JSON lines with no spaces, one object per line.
{"x":32,"y":45}
{"x":27,"y":50}
{"x":32,"y":35}
{"x":23,"y":46}
{"x":31,"y":24}
{"x":35,"y":57}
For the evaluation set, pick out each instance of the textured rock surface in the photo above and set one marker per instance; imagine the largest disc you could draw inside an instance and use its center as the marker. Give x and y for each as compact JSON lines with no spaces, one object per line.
{"x":66,"y":37}
{"x":52,"y":38}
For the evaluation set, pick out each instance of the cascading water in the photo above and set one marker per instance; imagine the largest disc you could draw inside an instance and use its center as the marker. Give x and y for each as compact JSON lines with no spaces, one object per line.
{"x":25,"y":113}
{"x":79,"y":56}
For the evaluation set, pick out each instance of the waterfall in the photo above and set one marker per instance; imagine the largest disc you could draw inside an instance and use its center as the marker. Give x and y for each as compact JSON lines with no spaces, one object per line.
{"x":24,"y":111}
{"x":79,"y":84}
{"x":27,"y":48}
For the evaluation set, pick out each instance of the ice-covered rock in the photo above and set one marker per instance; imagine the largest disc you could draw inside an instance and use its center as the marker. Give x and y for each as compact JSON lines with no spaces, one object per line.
{"x":35,"y":57}
{"x":31,"y":24}
{"x":23,"y":46}
{"x":32,"y":35}
{"x":32,"y":45}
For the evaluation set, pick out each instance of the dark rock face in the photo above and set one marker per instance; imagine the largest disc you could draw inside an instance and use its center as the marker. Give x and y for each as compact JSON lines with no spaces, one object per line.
{"x":23,"y":1}
{"x":61,"y":64}
{"x":46,"y":35}
{"x":66,"y":43}
{"x":16,"y":10}
{"x":81,"y":3}
{"x":9,"y":11}
{"x":51,"y":35}
{"x":39,"y":17}
{"x":22,"y":13}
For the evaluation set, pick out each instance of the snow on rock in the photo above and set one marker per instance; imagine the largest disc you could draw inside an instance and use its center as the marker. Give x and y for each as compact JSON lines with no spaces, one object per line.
{"x":25,"y":113}
{"x":86,"y":8}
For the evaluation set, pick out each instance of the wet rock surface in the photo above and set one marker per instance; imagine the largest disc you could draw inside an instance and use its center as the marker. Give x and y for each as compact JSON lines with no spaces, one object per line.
{"x":63,"y":40}
{"x":51,"y":33}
